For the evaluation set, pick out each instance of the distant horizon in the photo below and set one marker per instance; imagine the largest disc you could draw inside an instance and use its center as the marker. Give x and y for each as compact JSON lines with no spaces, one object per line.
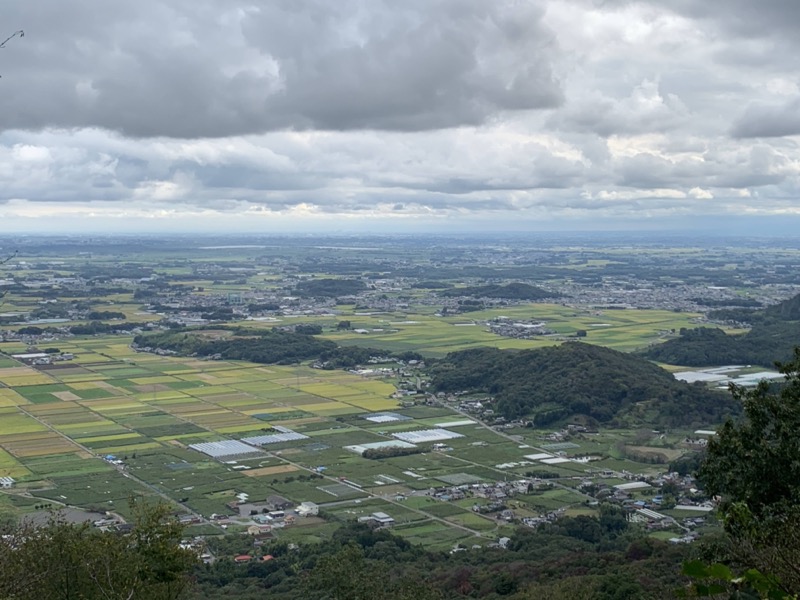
{"x":716,"y":226}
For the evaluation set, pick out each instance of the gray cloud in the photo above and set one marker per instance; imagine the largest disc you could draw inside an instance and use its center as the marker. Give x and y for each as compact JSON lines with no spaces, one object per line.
{"x":222,"y":112}
{"x":209,"y":68}
{"x":769,"y":120}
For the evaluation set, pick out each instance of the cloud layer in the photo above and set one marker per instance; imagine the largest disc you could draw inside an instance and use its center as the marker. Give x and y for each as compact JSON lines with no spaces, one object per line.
{"x":200,"y":113}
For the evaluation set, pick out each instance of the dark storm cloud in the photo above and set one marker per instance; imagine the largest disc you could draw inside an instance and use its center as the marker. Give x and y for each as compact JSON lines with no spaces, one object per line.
{"x":210,"y":68}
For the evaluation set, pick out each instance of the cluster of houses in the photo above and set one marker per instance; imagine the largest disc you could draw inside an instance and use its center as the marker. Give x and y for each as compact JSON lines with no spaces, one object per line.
{"x":490,"y":497}
{"x":518,"y":328}
{"x":34,"y":357}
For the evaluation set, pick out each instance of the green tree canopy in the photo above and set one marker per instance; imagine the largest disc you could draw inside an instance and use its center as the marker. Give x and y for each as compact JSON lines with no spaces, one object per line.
{"x":753,"y":465}
{"x":65,"y":561}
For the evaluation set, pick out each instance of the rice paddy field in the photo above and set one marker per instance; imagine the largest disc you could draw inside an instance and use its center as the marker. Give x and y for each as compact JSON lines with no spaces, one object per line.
{"x":62,"y":425}
{"x":111,"y":422}
{"x":623,"y":330}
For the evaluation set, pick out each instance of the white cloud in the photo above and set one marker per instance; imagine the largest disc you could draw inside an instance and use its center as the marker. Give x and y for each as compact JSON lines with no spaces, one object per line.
{"x":211,"y":114}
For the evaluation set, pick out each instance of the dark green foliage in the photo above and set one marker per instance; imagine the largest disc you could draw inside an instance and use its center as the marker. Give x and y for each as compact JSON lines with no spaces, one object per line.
{"x":571,"y":559}
{"x":753,"y":466}
{"x":267,"y":346}
{"x":512,"y":291}
{"x":743,"y":302}
{"x":687,"y":464}
{"x":378,"y":453}
{"x":62,"y":561}
{"x":329,"y":288}
{"x":222,"y":313}
{"x":99,"y":315}
{"x":30,"y":330}
{"x":775,"y":332}
{"x":717,"y":580}
{"x":347,"y":357}
{"x":755,"y":461}
{"x":788,"y":310}
{"x":98,"y":327}
{"x":308,"y":328}
{"x":550,"y":384}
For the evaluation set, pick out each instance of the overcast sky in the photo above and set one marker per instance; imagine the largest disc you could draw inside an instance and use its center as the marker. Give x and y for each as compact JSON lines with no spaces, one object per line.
{"x":388,"y":115}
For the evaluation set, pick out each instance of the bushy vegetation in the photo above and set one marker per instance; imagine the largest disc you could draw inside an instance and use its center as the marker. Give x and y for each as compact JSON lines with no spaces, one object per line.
{"x":601,"y":558}
{"x":64,"y":561}
{"x":549,"y":384}
{"x":268,"y":346}
{"x":752,"y":466}
{"x":775,"y":332}
{"x":390,"y":452}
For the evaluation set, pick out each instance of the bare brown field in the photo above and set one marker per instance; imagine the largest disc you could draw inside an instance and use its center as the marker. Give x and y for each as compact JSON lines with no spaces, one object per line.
{"x":270,"y":470}
{"x":50,"y":443}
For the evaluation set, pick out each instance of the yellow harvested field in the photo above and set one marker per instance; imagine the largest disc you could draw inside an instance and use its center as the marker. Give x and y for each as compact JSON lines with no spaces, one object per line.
{"x":66,"y":396}
{"x":108,"y":438}
{"x":240,"y":374}
{"x":151,"y":380}
{"x":47,"y":443}
{"x":380,"y":388}
{"x":131,"y":448}
{"x":77,"y":429}
{"x":10,"y":467}
{"x":111,"y":388}
{"x":16,"y":371}
{"x":212,"y":390}
{"x":263,"y":471}
{"x":170,"y":395}
{"x":14,"y":422}
{"x":240,"y":428}
{"x":269,"y":409}
{"x":11,"y":398}
{"x":96,"y":377}
{"x":84,"y":385}
{"x":24,"y":380}
{"x":374,"y":404}
{"x":54,"y":408}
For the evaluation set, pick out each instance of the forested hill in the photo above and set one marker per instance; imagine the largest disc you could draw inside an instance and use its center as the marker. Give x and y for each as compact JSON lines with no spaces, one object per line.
{"x":268,"y":346}
{"x":774,"y":334}
{"x":512,"y":291}
{"x":549,"y":384}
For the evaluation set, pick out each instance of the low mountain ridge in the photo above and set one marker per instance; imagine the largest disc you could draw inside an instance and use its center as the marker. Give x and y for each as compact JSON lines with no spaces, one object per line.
{"x":550,"y":384}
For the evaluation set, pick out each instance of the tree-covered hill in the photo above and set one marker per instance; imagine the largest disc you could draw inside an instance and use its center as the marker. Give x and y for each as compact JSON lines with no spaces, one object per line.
{"x":268,"y":346}
{"x":512,"y":291}
{"x":550,"y":384}
{"x":774,"y":333}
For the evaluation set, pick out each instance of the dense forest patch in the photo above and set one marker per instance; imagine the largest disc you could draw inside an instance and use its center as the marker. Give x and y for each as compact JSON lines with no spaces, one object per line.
{"x":774,"y":333}
{"x":550,"y":384}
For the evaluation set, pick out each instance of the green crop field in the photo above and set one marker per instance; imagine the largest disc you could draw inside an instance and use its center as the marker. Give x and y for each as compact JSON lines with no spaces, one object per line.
{"x":58,"y":424}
